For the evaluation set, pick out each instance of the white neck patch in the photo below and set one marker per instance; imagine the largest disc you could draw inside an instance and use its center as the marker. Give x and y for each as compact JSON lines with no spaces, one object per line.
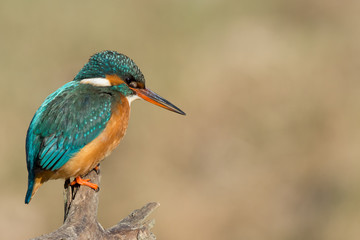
{"x":103,"y":82}
{"x":132,"y":98}
{"x":99,"y":82}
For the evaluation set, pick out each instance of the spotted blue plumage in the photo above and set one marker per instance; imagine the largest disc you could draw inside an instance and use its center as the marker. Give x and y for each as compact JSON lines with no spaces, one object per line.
{"x":110,"y":62}
{"x":68,"y":119}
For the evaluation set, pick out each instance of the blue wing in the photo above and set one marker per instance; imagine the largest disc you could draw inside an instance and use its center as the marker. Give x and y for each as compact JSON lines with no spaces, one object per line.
{"x":68,"y":119}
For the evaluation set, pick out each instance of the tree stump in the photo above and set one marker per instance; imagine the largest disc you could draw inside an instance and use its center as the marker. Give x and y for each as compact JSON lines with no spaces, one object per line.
{"x":80,"y":218}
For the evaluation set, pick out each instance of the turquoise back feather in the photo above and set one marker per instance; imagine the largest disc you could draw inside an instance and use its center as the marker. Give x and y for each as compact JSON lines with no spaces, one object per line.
{"x":69,"y":118}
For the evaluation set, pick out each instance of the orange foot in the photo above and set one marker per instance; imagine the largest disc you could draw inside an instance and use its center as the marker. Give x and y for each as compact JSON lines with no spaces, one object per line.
{"x":80,"y":181}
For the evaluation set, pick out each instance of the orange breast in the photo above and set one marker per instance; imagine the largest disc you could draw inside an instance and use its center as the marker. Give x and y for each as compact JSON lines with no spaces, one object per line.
{"x":91,"y":155}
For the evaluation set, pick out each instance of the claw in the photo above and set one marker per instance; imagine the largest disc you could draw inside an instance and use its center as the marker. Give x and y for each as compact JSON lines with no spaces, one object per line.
{"x":97,"y":168}
{"x":86,"y":182}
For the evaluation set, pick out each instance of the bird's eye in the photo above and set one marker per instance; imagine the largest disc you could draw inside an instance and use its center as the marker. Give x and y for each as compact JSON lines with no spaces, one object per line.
{"x":129,"y":79}
{"x":131,"y":82}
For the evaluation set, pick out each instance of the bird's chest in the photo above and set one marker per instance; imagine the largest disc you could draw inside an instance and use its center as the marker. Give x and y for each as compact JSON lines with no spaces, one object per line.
{"x":91,"y":155}
{"x":115,"y":129}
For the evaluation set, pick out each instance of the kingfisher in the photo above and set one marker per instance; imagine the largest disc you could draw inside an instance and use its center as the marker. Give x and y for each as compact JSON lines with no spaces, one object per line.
{"x":83,"y":121}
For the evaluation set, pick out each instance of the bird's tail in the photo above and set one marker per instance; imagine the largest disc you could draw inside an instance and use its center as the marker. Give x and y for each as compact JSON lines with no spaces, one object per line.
{"x":33,"y":186}
{"x":29,"y":190}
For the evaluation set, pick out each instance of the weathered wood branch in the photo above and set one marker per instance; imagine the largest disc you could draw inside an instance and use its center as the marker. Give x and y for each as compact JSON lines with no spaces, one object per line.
{"x":80,"y":218}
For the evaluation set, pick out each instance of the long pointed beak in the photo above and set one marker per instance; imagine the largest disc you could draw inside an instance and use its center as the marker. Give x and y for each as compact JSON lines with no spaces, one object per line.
{"x":154,"y":98}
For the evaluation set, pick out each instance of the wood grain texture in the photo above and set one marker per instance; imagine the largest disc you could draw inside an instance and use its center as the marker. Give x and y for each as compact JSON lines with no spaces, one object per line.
{"x":80,"y":218}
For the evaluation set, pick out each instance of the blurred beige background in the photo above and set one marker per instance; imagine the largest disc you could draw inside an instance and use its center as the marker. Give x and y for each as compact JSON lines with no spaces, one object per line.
{"x":270,"y":148}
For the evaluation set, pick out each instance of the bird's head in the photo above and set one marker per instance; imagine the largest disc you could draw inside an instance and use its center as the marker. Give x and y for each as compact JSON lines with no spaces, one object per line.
{"x":117,"y":71}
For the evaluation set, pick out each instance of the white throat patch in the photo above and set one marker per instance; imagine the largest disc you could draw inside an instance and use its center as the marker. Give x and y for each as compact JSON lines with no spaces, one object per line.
{"x":132,"y":98}
{"x":100,"y":82}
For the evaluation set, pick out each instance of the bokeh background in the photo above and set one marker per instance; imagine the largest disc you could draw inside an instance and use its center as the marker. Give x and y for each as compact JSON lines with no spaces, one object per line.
{"x":270,"y":146}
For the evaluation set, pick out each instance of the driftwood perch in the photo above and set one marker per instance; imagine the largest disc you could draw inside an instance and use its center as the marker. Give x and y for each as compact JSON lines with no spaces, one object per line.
{"x":80,"y":218}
